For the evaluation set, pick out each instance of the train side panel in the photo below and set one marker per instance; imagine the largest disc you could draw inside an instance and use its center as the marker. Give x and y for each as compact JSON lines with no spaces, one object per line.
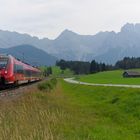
{"x":17,"y":72}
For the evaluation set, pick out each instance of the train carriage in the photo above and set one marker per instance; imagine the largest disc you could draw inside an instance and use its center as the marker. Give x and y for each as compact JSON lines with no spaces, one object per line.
{"x":13,"y":71}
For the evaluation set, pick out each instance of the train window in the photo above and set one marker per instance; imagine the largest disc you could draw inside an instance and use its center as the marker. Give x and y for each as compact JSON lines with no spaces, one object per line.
{"x":15,"y":68}
{"x":3,"y":63}
{"x":18,"y":69}
{"x":28,"y":73}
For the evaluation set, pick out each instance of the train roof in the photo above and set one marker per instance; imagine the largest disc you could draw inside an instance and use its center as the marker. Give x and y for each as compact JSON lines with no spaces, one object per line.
{"x":28,"y":66}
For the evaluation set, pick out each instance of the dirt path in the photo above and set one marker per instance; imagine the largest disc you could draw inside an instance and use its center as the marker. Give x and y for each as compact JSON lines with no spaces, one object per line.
{"x":71,"y":80}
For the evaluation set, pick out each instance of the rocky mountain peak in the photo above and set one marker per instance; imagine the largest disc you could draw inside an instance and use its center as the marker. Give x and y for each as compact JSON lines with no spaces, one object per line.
{"x":67,"y":34}
{"x":128,"y":27}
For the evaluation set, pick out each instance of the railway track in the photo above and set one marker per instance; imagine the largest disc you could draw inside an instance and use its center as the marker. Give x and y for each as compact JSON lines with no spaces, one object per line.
{"x":8,"y":92}
{"x":15,"y":91}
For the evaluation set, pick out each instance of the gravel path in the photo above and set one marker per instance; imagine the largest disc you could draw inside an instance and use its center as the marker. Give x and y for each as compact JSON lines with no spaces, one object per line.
{"x":71,"y":80}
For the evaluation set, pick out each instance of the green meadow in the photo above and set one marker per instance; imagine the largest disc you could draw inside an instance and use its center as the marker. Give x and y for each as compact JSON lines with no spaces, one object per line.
{"x":57,"y":72}
{"x":72,"y":112}
{"x":109,"y":77}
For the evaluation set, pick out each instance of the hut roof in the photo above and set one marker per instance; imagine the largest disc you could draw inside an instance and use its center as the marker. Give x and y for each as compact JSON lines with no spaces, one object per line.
{"x":133,"y":73}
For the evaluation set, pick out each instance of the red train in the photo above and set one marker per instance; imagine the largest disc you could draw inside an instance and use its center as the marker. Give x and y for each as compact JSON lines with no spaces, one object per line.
{"x":13,"y":71}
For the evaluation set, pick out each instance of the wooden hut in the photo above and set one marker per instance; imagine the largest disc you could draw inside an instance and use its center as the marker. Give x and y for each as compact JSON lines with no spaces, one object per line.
{"x":129,"y":74}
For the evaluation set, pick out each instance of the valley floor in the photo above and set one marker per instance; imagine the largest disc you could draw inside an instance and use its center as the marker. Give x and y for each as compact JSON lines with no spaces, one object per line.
{"x":72,"y":112}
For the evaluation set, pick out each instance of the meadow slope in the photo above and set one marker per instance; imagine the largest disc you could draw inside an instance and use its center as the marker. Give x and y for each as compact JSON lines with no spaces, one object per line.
{"x":72,"y":112}
{"x":109,"y":77}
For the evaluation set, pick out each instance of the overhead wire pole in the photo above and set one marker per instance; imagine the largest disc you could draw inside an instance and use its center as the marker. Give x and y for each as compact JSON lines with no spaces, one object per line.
{"x":34,"y":61}
{"x":23,"y":57}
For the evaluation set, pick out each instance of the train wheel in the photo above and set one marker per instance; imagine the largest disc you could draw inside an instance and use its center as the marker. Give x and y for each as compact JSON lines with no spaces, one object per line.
{"x":16,"y":83}
{"x":3,"y":81}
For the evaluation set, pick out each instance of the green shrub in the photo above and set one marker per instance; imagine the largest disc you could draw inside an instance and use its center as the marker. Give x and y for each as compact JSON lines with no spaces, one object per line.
{"x":47,"y":85}
{"x":54,"y":81}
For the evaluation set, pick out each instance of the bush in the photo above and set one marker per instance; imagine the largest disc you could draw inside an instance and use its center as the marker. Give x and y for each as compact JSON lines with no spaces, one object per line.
{"x":47,"y":85}
{"x":53,"y":81}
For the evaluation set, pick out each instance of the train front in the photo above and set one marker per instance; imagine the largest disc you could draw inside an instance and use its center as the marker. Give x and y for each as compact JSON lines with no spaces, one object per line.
{"x":4,"y":69}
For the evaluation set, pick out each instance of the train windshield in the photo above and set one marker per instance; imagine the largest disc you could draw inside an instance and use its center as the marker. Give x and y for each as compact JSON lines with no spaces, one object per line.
{"x":3,"y":63}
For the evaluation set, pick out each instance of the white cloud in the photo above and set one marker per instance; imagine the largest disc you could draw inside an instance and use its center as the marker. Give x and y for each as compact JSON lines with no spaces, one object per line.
{"x":49,"y":17}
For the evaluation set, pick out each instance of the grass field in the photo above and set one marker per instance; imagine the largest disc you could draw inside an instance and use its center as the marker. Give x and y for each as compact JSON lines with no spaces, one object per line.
{"x":57,"y":72}
{"x":72,"y":112}
{"x":109,"y":77}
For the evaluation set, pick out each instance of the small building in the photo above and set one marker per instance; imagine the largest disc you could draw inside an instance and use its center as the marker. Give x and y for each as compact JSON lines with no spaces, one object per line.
{"x":131,"y":74}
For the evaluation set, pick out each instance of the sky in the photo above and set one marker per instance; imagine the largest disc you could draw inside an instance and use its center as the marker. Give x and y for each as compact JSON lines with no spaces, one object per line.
{"x":48,"y":18}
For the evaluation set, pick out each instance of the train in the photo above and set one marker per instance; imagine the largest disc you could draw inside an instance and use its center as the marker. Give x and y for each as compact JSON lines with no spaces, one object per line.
{"x":15,"y":72}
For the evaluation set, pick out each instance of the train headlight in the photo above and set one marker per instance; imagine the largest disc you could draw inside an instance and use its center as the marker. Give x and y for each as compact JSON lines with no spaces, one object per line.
{"x":6,"y":72}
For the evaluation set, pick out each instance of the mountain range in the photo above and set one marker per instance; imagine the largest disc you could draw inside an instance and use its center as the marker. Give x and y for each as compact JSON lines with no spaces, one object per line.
{"x":30,"y":55}
{"x":105,"y":47}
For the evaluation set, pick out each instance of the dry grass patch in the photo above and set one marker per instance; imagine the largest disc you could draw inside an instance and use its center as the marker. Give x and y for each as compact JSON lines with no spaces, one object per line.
{"x":29,"y":117}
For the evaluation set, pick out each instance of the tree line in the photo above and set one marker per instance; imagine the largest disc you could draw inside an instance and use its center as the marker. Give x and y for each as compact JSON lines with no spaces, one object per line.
{"x":128,"y":63}
{"x":80,"y":67}
{"x":47,"y":71}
